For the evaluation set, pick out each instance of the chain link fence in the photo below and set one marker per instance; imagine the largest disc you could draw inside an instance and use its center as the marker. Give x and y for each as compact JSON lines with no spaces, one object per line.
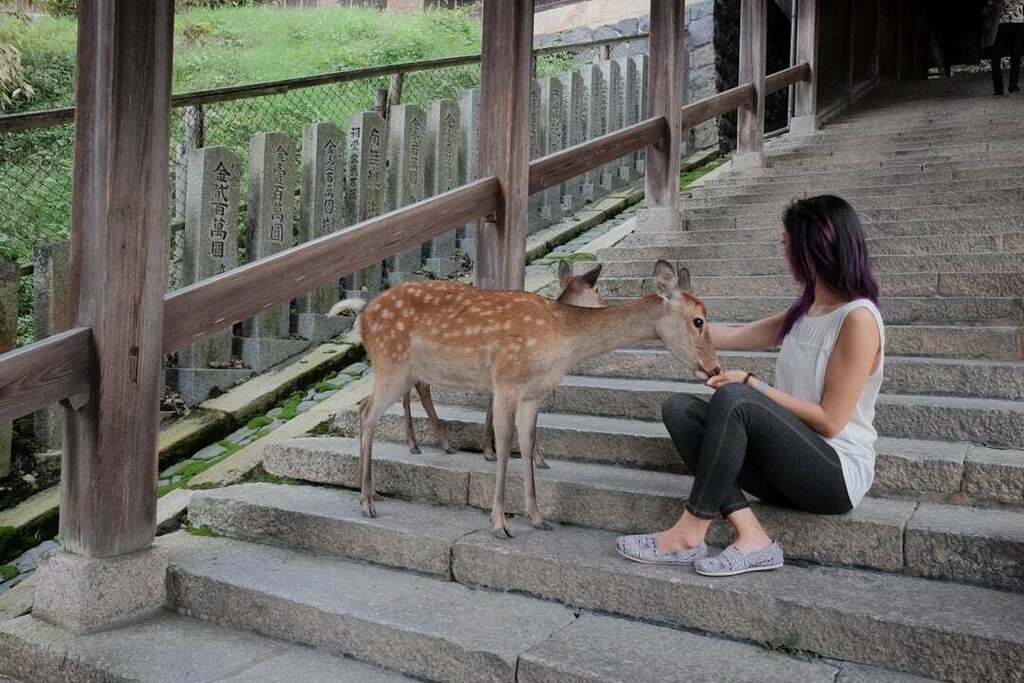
{"x":36,"y":152}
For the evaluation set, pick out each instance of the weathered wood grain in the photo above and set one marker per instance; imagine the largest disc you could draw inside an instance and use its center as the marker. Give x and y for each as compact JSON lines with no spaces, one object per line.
{"x":752,"y":65}
{"x":506,"y":74}
{"x":50,"y":370}
{"x":195,"y":311}
{"x":805,"y":94}
{"x":723,"y":102}
{"x":576,"y":160}
{"x":667,"y":45}
{"x":118,"y":269}
{"x":786,"y":77}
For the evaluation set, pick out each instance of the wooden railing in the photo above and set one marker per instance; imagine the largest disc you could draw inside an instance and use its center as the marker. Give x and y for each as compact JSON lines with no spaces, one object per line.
{"x":61,"y":367}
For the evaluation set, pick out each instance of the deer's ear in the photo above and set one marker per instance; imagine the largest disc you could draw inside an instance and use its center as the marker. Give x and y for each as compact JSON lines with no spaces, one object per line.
{"x":666,"y":285}
{"x":590,"y":277}
{"x":564,"y":274}
{"x":683,"y":276}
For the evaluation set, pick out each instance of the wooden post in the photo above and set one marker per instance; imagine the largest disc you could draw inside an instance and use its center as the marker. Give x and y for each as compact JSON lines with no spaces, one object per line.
{"x":753,"y":57}
{"x":118,"y":269}
{"x":505,"y":81}
{"x":394,"y":91}
{"x":661,"y":184}
{"x":805,"y":93}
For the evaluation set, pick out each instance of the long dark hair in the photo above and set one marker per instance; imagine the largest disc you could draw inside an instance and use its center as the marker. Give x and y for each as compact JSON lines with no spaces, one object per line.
{"x":826,"y":242}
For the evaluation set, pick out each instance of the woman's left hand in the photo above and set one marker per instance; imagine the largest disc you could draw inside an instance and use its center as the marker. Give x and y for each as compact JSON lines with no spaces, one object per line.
{"x":727,"y":377}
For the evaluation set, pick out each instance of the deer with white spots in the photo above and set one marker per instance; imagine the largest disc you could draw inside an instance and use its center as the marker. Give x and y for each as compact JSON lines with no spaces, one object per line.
{"x":517,"y":346}
{"x":577,"y":290}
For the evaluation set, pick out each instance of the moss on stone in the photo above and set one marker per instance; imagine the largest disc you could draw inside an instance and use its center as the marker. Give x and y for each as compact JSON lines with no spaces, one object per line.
{"x":321,"y":387}
{"x":8,"y":571}
{"x":202,"y":530}
{"x":259,"y":421}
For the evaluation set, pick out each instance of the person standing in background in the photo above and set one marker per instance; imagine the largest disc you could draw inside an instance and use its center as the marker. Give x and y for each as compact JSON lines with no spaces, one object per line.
{"x":1009,"y":40}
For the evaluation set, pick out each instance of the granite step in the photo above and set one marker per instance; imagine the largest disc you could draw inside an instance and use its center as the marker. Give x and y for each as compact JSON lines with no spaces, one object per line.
{"x":675,"y":245}
{"x":987,"y":421}
{"x":913,"y":173}
{"x":416,"y":625}
{"x":905,"y":468}
{"x":949,"y":542}
{"x":934,"y":628}
{"x":860,"y":195}
{"x":845,"y":159}
{"x":891,"y":284}
{"x":888,"y":225}
{"x":169,"y":648}
{"x":639,"y":262}
{"x":903,"y":374}
{"x":897,"y":310}
{"x":978,"y":211}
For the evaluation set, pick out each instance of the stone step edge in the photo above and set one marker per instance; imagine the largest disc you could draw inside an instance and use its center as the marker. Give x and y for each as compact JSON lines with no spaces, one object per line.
{"x":879,"y":534}
{"x":911,"y":468}
{"x":575,"y":575}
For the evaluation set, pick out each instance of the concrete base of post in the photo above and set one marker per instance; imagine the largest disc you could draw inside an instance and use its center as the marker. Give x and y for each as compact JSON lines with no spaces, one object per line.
{"x":658,"y":220}
{"x":803,"y":125}
{"x":260,"y":353}
{"x":749,"y":160}
{"x":85,"y":595}
{"x":195,"y":385}
{"x":317,"y":327}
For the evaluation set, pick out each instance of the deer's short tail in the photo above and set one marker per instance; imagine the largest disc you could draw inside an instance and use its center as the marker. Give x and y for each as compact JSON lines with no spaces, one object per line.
{"x":355,"y":305}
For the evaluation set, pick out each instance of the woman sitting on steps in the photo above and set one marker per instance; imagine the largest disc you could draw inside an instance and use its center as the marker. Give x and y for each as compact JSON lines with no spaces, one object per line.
{"x":805,"y":443}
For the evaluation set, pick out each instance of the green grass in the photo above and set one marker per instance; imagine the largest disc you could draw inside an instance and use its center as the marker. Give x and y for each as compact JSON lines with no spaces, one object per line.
{"x":691,"y":177}
{"x":216,"y":48}
{"x":202,"y":531}
{"x":8,"y":571}
{"x":257,"y":422}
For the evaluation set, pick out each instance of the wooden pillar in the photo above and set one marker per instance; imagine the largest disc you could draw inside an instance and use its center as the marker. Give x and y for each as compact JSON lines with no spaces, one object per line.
{"x":667,"y":48}
{"x":505,"y":82}
{"x":118,"y":268}
{"x":753,"y":59}
{"x":805,"y":93}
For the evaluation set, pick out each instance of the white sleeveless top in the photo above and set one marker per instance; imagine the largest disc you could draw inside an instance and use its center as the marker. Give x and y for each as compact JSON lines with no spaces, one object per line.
{"x":800,"y":371}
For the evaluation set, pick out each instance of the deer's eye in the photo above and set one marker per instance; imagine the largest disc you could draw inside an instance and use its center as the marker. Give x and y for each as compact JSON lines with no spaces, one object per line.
{"x":698,"y":323}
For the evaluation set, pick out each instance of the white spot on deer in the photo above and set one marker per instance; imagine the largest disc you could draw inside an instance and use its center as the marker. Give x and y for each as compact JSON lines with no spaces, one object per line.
{"x":399,"y":303}
{"x":531,"y":342}
{"x":527,"y":318}
{"x":507,"y":325}
{"x":400,"y":326}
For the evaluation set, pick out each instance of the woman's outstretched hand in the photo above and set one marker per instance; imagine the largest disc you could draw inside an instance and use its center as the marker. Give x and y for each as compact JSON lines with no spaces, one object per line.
{"x":726,"y":377}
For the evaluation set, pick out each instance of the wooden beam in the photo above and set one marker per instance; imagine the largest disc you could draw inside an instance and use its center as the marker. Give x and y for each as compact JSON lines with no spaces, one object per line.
{"x":48,"y":371}
{"x":667,"y":44}
{"x":506,"y":72}
{"x":723,"y":102}
{"x":578,"y":159}
{"x":805,"y":95}
{"x":752,"y":70}
{"x":118,"y":271}
{"x":785,"y":78}
{"x":205,"y":307}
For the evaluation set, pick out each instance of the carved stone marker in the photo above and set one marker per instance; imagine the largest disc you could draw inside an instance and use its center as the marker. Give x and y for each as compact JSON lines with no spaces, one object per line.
{"x":631,"y":111}
{"x":644,"y":106}
{"x":441,"y":149}
{"x":537,"y":218}
{"x":210,"y":247}
{"x":8,"y":340}
{"x":552,"y":123}
{"x":365,"y":159}
{"x":575,"y":190}
{"x":51,"y":314}
{"x":270,"y":228}
{"x":597,"y":119}
{"x":406,"y":178}
{"x":322,"y":212}
{"x":469,"y":158}
{"x":612,"y":71}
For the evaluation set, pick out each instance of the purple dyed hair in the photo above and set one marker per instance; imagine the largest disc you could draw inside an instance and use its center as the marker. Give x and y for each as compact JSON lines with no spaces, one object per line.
{"x":826,"y":242}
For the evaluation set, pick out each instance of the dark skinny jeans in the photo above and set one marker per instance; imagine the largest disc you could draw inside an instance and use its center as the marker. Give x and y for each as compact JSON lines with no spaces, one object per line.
{"x":742,"y":439}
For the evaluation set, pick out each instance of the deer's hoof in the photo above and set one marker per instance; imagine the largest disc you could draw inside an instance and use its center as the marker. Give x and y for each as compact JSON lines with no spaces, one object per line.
{"x":541,"y":465}
{"x":542,"y":524}
{"x":490,"y":457}
{"x":369,"y":511}
{"x":502,"y":533}
{"x":449,"y":450}
{"x":415,"y":450}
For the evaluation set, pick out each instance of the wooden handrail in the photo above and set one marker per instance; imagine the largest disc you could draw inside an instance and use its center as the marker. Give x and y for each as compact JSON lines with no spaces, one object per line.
{"x":55,"y":117}
{"x":205,"y":307}
{"x":787,"y":77}
{"x":45,"y":372}
{"x":723,"y":102}
{"x":578,"y":159}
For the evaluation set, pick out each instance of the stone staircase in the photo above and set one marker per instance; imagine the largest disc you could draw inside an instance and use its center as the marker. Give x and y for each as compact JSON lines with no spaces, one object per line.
{"x":924,"y":580}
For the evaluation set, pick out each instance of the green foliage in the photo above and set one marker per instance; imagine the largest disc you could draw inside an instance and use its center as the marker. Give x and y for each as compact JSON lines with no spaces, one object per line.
{"x":257,"y":422}
{"x":202,"y":531}
{"x":327,"y":386}
{"x":574,"y":257}
{"x":62,"y":8}
{"x":8,"y":571}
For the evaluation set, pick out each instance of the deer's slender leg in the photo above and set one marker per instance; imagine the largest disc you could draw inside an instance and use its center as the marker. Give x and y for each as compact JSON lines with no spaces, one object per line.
{"x":526,"y":427}
{"x":410,"y":430}
{"x":504,"y":414}
{"x":385,"y":394}
{"x":538,"y":452}
{"x":487,"y":440}
{"x":440,"y":428}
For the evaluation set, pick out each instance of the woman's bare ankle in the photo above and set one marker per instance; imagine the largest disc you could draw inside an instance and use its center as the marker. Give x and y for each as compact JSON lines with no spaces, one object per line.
{"x":752,"y":542}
